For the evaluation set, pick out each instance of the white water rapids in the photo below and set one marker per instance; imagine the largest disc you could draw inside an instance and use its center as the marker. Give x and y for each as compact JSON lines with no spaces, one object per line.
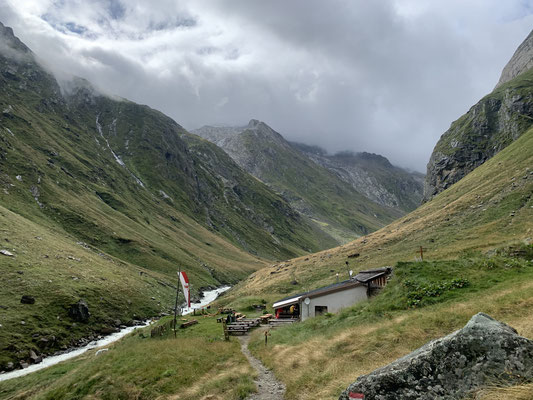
{"x":208,"y":297}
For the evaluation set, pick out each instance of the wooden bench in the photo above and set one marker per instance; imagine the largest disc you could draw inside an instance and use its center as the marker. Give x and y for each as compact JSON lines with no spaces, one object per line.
{"x":237,"y":328}
{"x":188,"y":323}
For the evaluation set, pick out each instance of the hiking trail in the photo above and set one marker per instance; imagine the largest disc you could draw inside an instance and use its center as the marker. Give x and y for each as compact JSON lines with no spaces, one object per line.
{"x":268,"y":387}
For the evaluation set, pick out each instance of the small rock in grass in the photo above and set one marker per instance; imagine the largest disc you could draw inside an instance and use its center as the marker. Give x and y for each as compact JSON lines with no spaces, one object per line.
{"x":27,"y":300}
{"x":6,"y":253}
{"x":101,"y":351}
{"x":35,"y":358}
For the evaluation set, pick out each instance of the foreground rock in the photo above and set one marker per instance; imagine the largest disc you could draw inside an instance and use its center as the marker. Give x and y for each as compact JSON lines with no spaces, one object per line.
{"x":484,"y":352}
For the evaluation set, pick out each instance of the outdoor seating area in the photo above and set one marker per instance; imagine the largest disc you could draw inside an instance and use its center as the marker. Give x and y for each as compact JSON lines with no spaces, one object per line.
{"x":242,"y":326}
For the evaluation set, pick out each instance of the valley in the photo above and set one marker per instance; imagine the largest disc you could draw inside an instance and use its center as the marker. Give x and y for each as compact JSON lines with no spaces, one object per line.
{"x":103,"y":199}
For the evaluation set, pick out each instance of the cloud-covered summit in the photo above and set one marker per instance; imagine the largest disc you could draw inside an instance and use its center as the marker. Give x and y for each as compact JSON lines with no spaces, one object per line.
{"x":385,"y":77}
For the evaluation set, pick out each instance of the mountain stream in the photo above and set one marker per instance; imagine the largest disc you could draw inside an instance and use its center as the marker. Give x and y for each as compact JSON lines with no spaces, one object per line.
{"x":208,"y":297}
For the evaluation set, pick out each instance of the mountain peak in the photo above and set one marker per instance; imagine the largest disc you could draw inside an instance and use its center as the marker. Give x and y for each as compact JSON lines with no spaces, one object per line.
{"x":10,"y":43}
{"x":254,"y":123}
{"x":521,"y":61}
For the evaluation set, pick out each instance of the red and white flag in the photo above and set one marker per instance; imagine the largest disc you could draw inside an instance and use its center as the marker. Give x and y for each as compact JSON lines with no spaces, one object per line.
{"x":185,"y":285}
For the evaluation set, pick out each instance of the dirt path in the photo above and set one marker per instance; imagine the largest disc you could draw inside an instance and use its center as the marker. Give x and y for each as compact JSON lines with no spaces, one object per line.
{"x":268,"y":387}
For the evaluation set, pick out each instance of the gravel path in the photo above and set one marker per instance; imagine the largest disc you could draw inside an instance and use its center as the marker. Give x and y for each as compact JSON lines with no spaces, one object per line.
{"x":268,"y":387}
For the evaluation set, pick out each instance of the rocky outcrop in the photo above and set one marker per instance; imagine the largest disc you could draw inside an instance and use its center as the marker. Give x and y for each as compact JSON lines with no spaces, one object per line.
{"x":521,"y":61}
{"x":488,"y":127}
{"x":79,"y":311}
{"x":484,"y":352}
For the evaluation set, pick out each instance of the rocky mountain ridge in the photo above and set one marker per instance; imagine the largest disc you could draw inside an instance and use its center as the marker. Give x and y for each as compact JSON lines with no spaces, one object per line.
{"x":338,"y":208}
{"x":488,"y":127}
{"x":521,"y":61}
{"x":372,"y":175}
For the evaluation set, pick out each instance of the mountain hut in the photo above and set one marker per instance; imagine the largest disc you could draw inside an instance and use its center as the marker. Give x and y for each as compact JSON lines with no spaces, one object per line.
{"x":334,"y":297}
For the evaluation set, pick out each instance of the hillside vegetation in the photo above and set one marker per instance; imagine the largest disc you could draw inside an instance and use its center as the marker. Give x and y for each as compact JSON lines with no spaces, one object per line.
{"x":117,"y":193}
{"x":198,"y":364}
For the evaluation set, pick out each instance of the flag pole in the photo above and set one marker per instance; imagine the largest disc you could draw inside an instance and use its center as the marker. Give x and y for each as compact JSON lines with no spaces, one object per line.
{"x":176,"y":304}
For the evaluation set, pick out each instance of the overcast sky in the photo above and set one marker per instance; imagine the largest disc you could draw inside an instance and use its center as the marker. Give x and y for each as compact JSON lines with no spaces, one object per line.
{"x":385,"y":76}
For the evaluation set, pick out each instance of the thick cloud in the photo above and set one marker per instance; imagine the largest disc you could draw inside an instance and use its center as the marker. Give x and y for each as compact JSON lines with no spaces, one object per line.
{"x":383,"y":76}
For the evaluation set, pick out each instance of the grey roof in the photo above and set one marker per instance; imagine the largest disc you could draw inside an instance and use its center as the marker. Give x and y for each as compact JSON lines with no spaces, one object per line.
{"x":371,"y":274}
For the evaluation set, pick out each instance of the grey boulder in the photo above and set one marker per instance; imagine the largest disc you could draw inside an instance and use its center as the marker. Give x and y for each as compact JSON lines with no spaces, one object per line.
{"x":484,"y":352}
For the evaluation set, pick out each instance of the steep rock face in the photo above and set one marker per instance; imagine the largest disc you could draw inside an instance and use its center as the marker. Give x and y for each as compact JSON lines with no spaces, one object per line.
{"x":521,"y":61}
{"x":336,"y":208}
{"x":492,"y":124}
{"x":488,"y":127}
{"x":484,"y":352}
{"x":372,"y":175}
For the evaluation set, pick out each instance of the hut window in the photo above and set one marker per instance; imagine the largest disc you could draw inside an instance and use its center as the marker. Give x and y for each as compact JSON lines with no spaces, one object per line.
{"x":319,"y":310}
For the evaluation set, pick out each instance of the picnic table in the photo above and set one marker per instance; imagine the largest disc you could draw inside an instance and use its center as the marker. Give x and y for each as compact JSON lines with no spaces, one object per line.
{"x":265,"y":318}
{"x":242,"y":326}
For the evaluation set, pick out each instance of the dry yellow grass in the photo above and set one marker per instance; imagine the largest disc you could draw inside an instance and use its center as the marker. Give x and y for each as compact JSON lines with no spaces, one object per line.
{"x":523,"y":392}
{"x":324,"y":365}
{"x":206,"y":383}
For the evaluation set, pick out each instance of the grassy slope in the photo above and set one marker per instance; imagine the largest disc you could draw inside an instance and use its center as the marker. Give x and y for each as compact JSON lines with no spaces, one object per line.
{"x":50,"y":266}
{"x":475,"y":213}
{"x":199,"y":178}
{"x":197,"y":364}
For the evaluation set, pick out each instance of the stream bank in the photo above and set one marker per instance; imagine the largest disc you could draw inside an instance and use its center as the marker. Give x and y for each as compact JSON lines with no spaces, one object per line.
{"x":208,"y":297}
